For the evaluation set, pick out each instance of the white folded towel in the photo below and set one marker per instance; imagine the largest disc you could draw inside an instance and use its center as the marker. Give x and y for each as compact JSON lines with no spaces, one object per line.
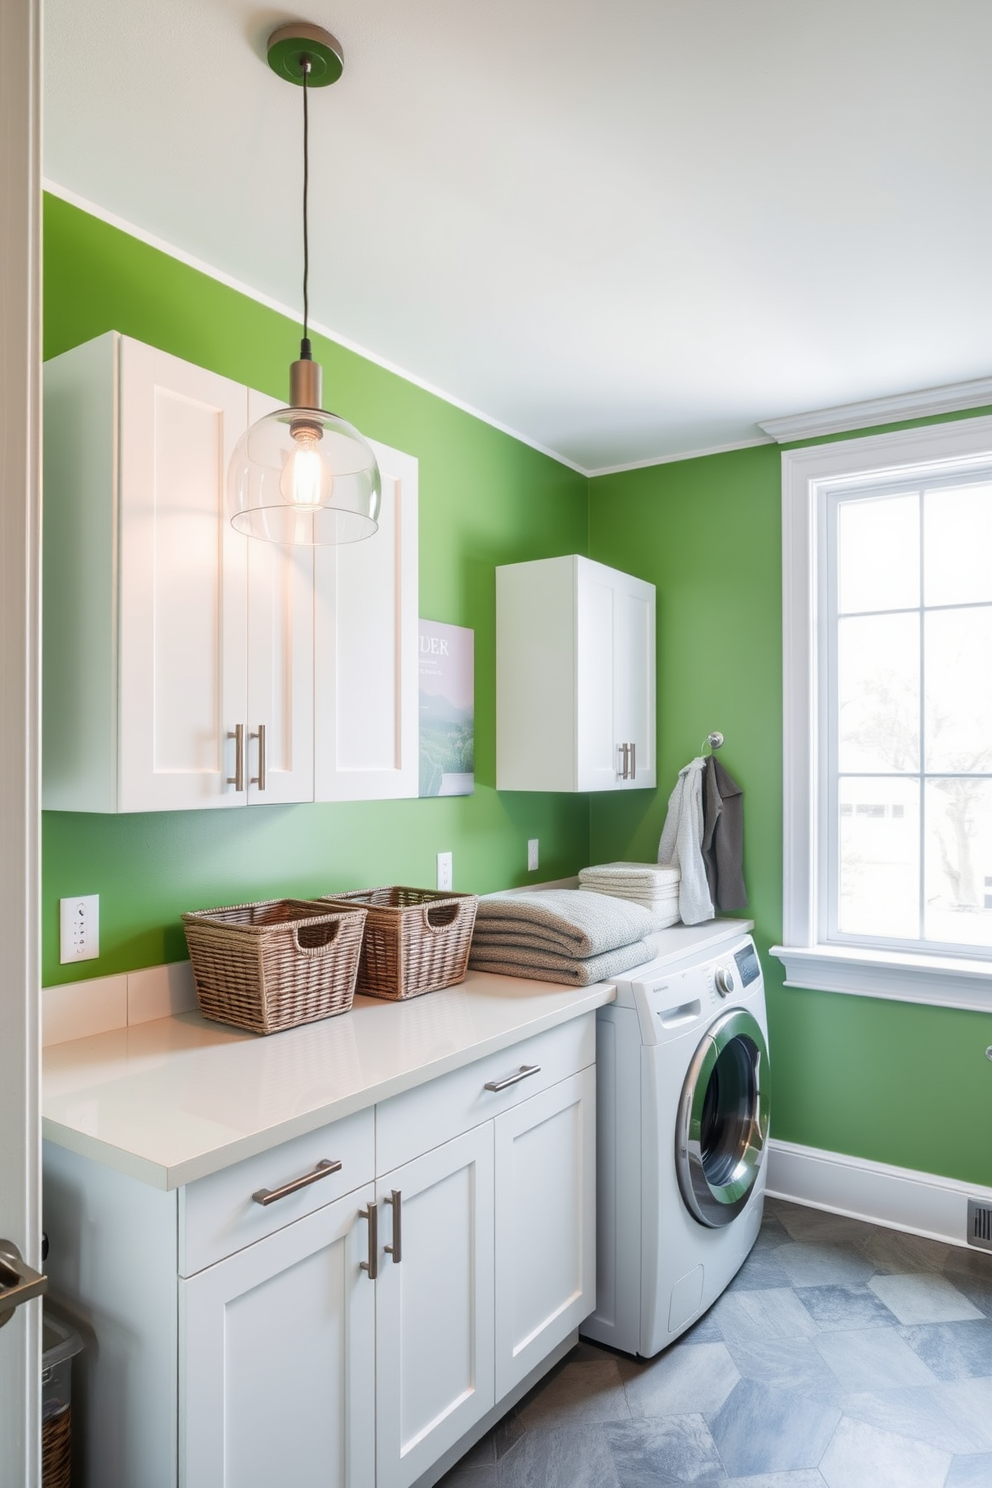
{"x":653,"y":885}
{"x":653,"y":877}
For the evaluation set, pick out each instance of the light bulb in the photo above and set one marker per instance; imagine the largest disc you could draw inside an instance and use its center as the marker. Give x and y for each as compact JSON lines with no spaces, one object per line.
{"x":306,"y":479}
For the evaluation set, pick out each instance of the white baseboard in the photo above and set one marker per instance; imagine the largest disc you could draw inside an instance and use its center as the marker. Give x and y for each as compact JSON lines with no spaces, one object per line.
{"x":900,"y":1198}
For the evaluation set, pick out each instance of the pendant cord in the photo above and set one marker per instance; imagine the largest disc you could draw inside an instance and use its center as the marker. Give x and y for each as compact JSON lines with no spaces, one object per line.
{"x":306,"y":182}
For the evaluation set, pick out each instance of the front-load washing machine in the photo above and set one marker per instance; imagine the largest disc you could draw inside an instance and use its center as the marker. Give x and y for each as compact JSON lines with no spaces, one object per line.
{"x":682,"y":1130}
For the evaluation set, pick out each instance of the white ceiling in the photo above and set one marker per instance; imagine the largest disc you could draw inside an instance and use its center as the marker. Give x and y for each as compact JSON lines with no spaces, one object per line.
{"x":623,"y":231}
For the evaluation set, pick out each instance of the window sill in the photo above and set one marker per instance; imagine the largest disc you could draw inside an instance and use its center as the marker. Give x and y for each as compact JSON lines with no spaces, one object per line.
{"x":939,"y":981}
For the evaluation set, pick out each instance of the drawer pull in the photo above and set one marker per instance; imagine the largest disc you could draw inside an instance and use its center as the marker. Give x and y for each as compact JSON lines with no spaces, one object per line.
{"x":322,"y":1170}
{"x":523,"y":1073}
{"x":372,"y":1264}
{"x":396,"y":1249}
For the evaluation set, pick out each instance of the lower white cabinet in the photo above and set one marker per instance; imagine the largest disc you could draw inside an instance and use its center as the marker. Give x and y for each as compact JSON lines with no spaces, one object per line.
{"x":434,"y":1306}
{"x":277,"y":1360}
{"x":545,"y":1243}
{"x":351,"y":1331}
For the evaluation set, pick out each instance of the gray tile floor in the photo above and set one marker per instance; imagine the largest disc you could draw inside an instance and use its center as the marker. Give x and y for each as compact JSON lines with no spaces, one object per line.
{"x":842,"y":1356}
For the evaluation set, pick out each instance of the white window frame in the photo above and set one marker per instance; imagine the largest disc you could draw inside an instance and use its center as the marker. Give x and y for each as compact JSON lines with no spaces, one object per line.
{"x":808,"y":475}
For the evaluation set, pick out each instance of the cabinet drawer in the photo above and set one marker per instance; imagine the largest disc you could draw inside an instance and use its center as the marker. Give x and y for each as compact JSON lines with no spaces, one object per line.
{"x":424,"y":1118}
{"x":217,"y":1215}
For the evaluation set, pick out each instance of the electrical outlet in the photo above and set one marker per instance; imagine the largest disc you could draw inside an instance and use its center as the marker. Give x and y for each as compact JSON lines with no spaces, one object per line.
{"x":533,"y":844}
{"x":445,"y":876}
{"x":79,"y":924}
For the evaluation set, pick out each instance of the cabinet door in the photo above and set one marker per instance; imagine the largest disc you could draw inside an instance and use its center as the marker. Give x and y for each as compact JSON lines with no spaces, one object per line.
{"x":545,"y":1223}
{"x":615,"y":679}
{"x":596,"y":740}
{"x":277,"y":1364}
{"x":280,"y":662}
{"x":634,"y":709}
{"x":365,"y":651}
{"x":182,"y":623}
{"x":434,"y":1306}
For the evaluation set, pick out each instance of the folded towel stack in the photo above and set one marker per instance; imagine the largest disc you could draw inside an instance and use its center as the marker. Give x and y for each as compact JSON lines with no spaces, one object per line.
{"x":560,"y":935}
{"x":655,"y":885}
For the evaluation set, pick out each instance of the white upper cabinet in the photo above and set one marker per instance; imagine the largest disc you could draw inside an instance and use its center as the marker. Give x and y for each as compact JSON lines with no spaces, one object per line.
{"x":179,"y":656}
{"x":280,"y":711}
{"x":575,"y":677}
{"x":365,"y":643}
{"x":181,"y":582}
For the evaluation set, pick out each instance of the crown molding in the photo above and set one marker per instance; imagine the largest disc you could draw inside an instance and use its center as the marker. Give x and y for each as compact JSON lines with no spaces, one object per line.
{"x":689,"y":454}
{"x":953,"y":397}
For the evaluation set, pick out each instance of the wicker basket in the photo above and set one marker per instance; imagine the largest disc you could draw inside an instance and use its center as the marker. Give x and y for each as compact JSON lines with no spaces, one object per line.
{"x":56,"y":1450}
{"x":416,"y":940}
{"x":275,"y":964}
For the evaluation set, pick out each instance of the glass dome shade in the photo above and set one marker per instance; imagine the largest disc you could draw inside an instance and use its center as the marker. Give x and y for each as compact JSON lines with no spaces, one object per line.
{"x":304,"y":476}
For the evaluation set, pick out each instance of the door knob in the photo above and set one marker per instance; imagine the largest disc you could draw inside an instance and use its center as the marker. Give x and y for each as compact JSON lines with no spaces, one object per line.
{"x":18,"y":1281}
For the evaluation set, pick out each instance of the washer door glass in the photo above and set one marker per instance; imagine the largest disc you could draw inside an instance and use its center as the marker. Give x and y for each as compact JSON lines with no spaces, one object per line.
{"x":723,"y":1119}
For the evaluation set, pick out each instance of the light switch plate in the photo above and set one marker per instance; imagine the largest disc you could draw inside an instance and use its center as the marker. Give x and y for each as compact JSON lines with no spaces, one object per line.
{"x":445,"y":877}
{"x":79,"y":926}
{"x":533,"y":843}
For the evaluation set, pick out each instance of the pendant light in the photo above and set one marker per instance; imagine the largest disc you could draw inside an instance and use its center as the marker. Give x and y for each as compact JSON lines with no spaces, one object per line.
{"x":301,"y":474}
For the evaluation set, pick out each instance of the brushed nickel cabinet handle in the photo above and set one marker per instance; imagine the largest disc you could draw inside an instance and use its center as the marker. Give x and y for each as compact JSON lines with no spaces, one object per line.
{"x":238,"y":778}
{"x":259,"y":779}
{"x":372,"y":1264}
{"x":323,"y":1169}
{"x":523,"y":1073}
{"x":622,"y":771}
{"x":633,"y":761}
{"x":396,"y":1249}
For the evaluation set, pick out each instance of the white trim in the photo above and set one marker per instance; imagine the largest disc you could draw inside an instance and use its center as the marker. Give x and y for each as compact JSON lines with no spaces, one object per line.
{"x":954,"y":397}
{"x":807,"y":477}
{"x":20,"y":632}
{"x":943,"y":981}
{"x":690,"y":454}
{"x":202,"y":267}
{"x":899,"y":1198}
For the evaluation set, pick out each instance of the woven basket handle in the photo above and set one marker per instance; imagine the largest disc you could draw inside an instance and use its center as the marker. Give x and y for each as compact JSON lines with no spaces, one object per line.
{"x":447,"y":916}
{"x":324,"y":935}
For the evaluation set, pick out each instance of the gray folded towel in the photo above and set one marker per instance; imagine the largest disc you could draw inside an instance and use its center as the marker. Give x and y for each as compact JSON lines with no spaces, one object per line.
{"x":543,"y":966}
{"x":566,"y":922}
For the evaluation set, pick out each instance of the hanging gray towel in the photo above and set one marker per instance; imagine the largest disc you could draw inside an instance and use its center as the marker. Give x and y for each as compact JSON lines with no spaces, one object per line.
{"x":723,"y":837}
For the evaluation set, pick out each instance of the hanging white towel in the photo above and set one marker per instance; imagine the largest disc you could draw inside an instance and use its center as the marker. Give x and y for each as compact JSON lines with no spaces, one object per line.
{"x":682,"y":843}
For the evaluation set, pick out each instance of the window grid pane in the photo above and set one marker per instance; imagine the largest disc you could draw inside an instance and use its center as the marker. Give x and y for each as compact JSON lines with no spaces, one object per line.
{"x":909,"y":807}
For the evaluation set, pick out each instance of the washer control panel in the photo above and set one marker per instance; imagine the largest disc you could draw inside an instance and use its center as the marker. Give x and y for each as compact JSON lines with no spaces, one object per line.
{"x":724,"y":981}
{"x":747,"y":963}
{"x":678,"y":999}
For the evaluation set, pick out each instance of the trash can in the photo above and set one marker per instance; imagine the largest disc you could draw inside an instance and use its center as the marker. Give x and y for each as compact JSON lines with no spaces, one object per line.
{"x":60,"y":1342}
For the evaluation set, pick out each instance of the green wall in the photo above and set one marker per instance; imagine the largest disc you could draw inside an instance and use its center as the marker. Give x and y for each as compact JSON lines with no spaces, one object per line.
{"x":891,"y":1081}
{"x":484,"y":499}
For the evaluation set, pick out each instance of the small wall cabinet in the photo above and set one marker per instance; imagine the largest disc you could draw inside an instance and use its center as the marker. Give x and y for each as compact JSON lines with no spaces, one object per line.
{"x":575,"y":677}
{"x":186,"y":666}
{"x":352,"y":1332}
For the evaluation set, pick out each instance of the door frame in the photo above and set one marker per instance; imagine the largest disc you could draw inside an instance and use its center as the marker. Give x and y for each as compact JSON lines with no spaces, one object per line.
{"x":20,"y":518}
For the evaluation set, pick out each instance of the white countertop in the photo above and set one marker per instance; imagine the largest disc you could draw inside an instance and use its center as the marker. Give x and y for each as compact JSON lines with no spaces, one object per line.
{"x":178,"y":1098}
